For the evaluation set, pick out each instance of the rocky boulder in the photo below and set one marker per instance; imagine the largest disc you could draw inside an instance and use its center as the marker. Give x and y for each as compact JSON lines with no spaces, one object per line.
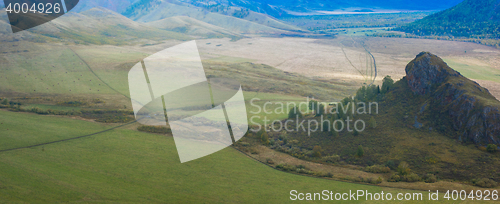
{"x":473,"y":111}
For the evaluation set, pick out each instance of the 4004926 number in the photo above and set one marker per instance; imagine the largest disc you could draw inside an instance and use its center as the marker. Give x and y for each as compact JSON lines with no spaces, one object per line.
{"x":47,"y":8}
{"x":473,"y":195}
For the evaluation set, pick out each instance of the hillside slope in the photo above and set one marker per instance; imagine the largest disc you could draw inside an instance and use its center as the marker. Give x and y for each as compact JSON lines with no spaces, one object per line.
{"x":246,"y":12}
{"x":436,"y":120}
{"x":157,"y":10}
{"x":83,"y":5}
{"x":95,"y":26}
{"x":471,"y":18}
{"x":191,"y":26}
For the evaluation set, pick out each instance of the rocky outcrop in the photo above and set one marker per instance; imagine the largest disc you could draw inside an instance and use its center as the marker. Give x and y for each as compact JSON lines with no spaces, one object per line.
{"x":473,"y":111}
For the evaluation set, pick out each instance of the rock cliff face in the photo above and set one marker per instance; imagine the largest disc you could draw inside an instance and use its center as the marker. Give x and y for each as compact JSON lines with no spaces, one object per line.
{"x":473,"y":111}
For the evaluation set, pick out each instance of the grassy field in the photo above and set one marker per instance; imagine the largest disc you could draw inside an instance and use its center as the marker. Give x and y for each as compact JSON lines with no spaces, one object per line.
{"x":124,"y":165}
{"x":58,"y":71}
{"x":475,"y":70}
{"x":128,"y":166}
{"x":329,"y":23}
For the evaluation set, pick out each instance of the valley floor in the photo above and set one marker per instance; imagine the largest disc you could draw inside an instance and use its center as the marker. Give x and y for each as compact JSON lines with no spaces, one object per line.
{"x":124,"y":165}
{"x":344,"y":59}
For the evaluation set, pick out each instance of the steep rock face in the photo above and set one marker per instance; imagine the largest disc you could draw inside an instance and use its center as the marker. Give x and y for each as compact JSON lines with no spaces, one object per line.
{"x":425,"y":71}
{"x":473,"y":111}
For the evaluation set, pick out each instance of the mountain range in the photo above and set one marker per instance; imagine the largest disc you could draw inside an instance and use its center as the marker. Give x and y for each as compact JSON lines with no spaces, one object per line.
{"x":114,"y":5}
{"x":281,"y":8}
{"x":95,"y":26}
{"x":157,"y":10}
{"x":471,"y":19}
{"x":275,"y":7}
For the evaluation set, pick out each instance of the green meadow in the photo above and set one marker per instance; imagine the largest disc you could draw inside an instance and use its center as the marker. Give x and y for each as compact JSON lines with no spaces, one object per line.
{"x":126,"y":166}
{"x":475,"y":71}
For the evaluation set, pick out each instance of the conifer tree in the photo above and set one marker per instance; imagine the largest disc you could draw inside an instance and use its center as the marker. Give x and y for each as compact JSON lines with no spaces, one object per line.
{"x":372,"y":122}
{"x":360,"y":152}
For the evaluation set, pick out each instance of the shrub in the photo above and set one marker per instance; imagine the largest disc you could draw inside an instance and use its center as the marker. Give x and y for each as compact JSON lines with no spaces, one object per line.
{"x":404,"y":169}
{"x":491,"y":148}
{"x":283,"y":137}
{"x":269,"y":161}
{"x":5,"y":102}
{"x":72,"y":103}
{"x":313,"y":105}
{"x":378,"y":169}
{"x":264,"y":138}
{"x":280,"y":166}
{"x":97,"y":100}
{"x":253,"y":151}
{"x":320,"y":110}
{"x":387,"y":83}
{"x":394,"y":178}
{"x":331,"y":159}
{"x":317,"y":151}
{"x":303,"y":171}
{"x":154,"y":129}
{"x":412,"y":177}
{"x":486,"y":183}
{"x":430,"y":178}
{"x":294,"y":113}
{"x":334,"y":133}
{"x":372,"y":122}
{"x":390,"y":164}
{"x":373,"y":180}
{"x":286,"y":167}
{"x":244,"y":144}
{"x":360,"y":152}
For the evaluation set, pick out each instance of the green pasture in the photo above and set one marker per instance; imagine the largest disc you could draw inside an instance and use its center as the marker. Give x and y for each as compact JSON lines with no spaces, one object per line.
{"x":475,"y":72}
{"x":126,"y":166}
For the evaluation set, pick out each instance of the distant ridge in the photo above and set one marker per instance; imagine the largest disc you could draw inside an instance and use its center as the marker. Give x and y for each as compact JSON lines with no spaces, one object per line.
{"x":284,"y":8}
{"x":157,"y":10}
{"x":471,"y":19}
{"x":95,"y":26}
{"x":191,"y":26}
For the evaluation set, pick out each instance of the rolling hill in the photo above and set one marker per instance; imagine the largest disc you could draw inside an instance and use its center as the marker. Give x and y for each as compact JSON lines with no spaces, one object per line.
{"x":95,"y":26}
{"x":470,"y":19}
{"x":191,"y":26}
{"x":246,"y":14}
{"x":149,"y":11}
{"x":83,"y":5}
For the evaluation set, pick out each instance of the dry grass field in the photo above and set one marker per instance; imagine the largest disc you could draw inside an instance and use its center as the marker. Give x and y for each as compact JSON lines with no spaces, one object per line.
{"x":324,"y":58}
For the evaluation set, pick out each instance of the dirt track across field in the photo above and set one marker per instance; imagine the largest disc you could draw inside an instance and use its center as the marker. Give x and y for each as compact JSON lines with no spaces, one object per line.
{"x":324,"y":58}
